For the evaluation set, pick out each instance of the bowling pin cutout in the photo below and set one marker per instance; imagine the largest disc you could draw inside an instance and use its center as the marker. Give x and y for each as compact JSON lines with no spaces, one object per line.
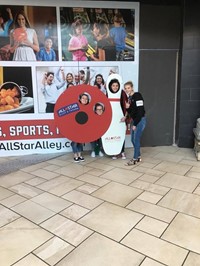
{"x":114,"y":137}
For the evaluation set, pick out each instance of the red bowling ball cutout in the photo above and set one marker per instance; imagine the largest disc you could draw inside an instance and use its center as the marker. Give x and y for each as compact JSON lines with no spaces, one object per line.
{"x":79,"y":122}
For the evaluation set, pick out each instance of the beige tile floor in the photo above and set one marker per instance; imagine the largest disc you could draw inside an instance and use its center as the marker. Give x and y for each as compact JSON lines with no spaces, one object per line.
{"x":101,"y":212}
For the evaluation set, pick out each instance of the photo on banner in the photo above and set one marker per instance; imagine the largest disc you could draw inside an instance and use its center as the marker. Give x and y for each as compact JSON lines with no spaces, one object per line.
{"x":36,"y":40}
{"x":97,"y":34}
{"x":16,"y":90}
{"x":26,"y":34}
{"x":64,"y":77}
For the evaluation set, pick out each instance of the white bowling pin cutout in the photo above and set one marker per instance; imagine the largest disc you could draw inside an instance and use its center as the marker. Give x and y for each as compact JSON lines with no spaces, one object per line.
{"x":114,"y":137}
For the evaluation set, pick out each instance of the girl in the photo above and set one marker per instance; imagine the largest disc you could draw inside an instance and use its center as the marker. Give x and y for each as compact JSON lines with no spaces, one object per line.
{"x":78,"y":43}
{"x":135,"y":108}
{"x":100,"y":83}
{"x":114,"y":87}
{"x":78,"y":147}
{"x":97,"y":144}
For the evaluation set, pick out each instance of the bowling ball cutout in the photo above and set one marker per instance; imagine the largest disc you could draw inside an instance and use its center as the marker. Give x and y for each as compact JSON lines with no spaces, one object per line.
{"x":75,"y":116}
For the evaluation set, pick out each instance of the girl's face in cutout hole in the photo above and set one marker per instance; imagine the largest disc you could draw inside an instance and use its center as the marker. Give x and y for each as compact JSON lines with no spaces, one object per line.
{"x":115,"y":87}
{"x":84,"y":99}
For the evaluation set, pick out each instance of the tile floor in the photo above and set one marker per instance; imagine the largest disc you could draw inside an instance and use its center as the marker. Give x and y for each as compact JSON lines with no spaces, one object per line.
{"x":101,"y":212}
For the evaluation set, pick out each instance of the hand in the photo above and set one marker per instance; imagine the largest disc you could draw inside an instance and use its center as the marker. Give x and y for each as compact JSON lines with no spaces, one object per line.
{"x":26,"y":42}
{"x":127,"y":105}
{"x":82,"y":47}
{"x":123,"y":119}
{"x":134,"y":128}
{"x":92,"y":56}
{"x":16,"y":43}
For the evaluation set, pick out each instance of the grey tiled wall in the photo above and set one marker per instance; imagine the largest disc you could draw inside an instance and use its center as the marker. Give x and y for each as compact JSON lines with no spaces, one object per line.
{"x":190,"y":75}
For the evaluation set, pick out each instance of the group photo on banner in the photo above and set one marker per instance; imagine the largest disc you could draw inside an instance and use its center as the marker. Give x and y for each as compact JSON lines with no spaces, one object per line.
{"x":58,"y":54}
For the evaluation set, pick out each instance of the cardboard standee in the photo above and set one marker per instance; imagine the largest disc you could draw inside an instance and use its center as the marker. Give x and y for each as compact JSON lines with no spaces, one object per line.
{"x":79,"y":122}
{"x":114,"y":137}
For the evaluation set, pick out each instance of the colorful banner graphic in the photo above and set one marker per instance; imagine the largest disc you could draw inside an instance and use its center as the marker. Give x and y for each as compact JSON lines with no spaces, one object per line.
{"x":44,"y":51}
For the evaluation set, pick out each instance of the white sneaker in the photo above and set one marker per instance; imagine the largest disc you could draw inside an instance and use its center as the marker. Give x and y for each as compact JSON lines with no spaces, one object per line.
{"x":93,"y":154}
{"x":101,"y":154}
{"x":123,"y":156}
{"x":114,"y":157}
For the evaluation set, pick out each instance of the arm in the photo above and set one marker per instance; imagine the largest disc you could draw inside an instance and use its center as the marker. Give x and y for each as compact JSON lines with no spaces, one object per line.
{"x":54,"y":56}
{"x":62,"y":82}
{"x":7,"y":24}
{"x":44,"y":86}
{"x":57,"y":75}
{"x":139,"y":115}
{"x":111,"y":33}
{"x":87,"y":80}
{"x":140,"y":112}
{"x":71,"y":48}
{"x":62,"y":73}
{"x":123,"y":101}
{"x":44,"y":79}
{"x":60,"y":69}
{"x":9,"y":13}
{"x":13,"y":44}
{"x":123,"y":119}
{"x":101,"y":53}
{"x":136,"y":109}
{"x":72,"y":45}
{"x":35,"y":44}
{"x":60,"y":85}
{"x":39,"y":56}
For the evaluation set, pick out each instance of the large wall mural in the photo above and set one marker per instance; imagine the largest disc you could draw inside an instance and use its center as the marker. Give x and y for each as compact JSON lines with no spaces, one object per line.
{"x":58,"y":47}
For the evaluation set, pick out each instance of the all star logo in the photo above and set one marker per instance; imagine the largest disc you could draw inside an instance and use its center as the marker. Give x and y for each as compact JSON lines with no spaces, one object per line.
{"x":113,"y":138}
{"x":65,"y":110}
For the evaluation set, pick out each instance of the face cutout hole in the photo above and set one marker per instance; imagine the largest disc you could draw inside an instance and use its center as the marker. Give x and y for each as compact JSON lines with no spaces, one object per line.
{"x":84,"y":98}
{"x":114,"y":86}
{"x":99,"y":108}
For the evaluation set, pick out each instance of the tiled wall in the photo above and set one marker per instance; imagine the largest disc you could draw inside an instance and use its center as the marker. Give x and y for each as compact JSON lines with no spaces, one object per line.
{"x":170,"y":44}
{"x":190,"y":75}
{"x":160,"y":27}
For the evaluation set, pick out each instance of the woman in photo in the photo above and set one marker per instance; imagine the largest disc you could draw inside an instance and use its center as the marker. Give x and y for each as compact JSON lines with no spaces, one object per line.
{"x":100,"y":83}
{"x":105,"y":49}
{"x":23,"y":39}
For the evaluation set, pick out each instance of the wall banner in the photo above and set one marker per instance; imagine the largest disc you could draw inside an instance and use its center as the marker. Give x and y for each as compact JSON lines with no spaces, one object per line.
{"x":45,"y":50}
